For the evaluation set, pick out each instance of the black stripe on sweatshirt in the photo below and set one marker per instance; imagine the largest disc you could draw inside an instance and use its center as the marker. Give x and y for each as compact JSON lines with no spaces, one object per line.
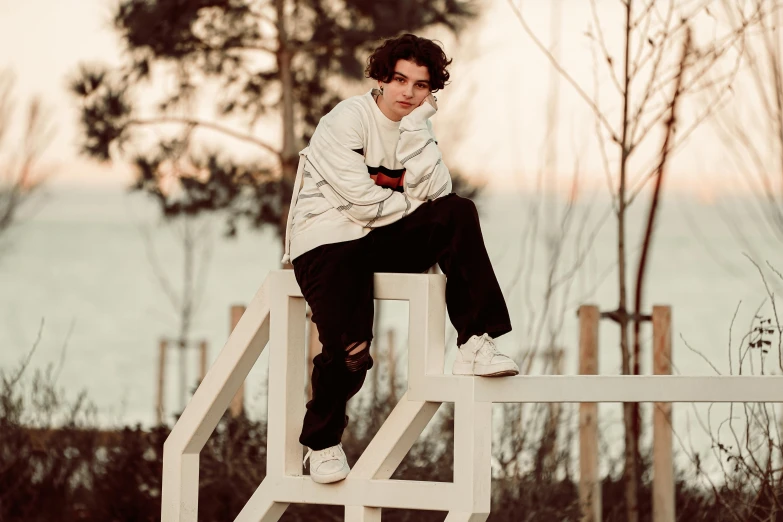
{"x":389,"y":173}
{"x":385,"y":177}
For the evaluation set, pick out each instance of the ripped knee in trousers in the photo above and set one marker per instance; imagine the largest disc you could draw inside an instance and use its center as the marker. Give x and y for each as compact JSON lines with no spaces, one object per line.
{"x":357,"y":356}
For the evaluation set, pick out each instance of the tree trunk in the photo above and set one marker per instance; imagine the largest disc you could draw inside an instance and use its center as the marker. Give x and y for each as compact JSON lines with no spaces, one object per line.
{"x":631,"y":472}
{"x":289,"y":159}
{"x":288,"y":155}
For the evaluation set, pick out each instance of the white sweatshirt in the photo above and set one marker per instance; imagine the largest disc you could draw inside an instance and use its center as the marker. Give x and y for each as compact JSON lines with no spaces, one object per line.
{"x":334,"y":197}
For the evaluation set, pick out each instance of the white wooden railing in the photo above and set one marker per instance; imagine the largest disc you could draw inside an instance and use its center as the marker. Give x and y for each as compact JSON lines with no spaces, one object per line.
{"x":276,"y":317}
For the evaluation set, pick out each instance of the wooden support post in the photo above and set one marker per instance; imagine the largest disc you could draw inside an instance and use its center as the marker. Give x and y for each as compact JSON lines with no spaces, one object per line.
{"x":589,"y":481}
{"x":362,"y":514}
{"x":183,"y":373}
{"x":159,"y":408}
{"x":392,"y":358}
{"x":238,"y":402}
{"x":202,"y":360}
{"x":663,"y":461}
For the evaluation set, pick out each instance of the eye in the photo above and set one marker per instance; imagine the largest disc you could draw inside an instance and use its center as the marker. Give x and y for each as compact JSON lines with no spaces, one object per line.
{"x":400,"y":80}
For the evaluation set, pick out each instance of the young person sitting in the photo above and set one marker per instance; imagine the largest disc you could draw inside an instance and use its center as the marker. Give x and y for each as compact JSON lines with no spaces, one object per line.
{"x":372,"y":194}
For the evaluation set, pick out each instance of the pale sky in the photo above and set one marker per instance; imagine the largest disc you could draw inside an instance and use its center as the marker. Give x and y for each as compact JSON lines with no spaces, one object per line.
{"x":498,"y":96}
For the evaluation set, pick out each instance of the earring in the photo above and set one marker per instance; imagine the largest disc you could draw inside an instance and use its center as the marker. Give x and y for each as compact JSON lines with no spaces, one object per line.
{"x":381,"y":89}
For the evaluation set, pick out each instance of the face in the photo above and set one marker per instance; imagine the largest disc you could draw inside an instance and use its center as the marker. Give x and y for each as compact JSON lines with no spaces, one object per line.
{"x":409,"y":86}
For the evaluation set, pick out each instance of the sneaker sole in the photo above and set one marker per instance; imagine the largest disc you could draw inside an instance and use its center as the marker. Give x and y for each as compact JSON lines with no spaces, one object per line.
{"x":337,"y":476}
{"x":496,"y":370}
{"x":502,"y":373}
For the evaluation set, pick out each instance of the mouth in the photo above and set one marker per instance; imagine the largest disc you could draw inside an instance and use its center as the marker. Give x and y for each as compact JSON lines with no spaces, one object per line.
{"x":404,"y":104}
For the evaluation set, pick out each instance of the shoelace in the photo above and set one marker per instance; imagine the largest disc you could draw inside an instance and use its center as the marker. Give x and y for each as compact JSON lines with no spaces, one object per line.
{"x":487,"y":348}
{"x":328,"y":452}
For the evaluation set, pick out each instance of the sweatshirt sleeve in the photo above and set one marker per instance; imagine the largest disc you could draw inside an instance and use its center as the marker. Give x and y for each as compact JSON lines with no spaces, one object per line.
{"x":426,"y":177}
{"x":342,"y":176}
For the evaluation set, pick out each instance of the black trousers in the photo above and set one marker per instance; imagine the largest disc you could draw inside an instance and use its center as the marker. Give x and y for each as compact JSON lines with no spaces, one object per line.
{"x":337,"y":282}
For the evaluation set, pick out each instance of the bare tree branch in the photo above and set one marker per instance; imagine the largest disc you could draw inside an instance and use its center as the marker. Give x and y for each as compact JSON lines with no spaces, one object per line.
{"x":602,"y":43}
{"x":18,"y":164}
{"x":206,"y":125}
{"x":563,"y":72}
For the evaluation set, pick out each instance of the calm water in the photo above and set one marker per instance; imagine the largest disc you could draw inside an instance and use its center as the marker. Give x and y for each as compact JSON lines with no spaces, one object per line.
{"x":82,"y":266}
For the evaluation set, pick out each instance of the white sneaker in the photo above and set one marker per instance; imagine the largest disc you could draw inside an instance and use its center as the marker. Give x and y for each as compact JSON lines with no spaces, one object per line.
{"x":327,"y":465}
{"x":479,"y":356}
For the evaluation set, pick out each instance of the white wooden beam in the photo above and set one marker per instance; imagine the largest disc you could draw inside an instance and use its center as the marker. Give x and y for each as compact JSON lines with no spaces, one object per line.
{"x":394,"y":439}
{"x":262,"y":507}
{"x":402,"y":494}
{"x":286,"y":395}
{"x":607,"y":388}
{"x":179,"y":497}
{"x":362,"y":514}
{"x":473,"y":454}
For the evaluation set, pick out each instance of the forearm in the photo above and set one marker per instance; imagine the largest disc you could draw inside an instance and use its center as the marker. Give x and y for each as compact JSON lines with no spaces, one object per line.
{"x":426,"y":176}
{"x":354,"y":194}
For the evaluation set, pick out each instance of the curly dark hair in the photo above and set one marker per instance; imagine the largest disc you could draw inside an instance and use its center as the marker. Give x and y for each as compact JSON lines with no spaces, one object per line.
{"x":423,"y":52}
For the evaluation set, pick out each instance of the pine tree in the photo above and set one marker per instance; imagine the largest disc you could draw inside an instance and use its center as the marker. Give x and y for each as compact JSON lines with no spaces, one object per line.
{"x":253,"y":63}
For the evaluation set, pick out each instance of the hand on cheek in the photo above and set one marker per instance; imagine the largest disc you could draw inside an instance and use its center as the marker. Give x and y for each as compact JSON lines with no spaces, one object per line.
{"x":431,"y":100}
